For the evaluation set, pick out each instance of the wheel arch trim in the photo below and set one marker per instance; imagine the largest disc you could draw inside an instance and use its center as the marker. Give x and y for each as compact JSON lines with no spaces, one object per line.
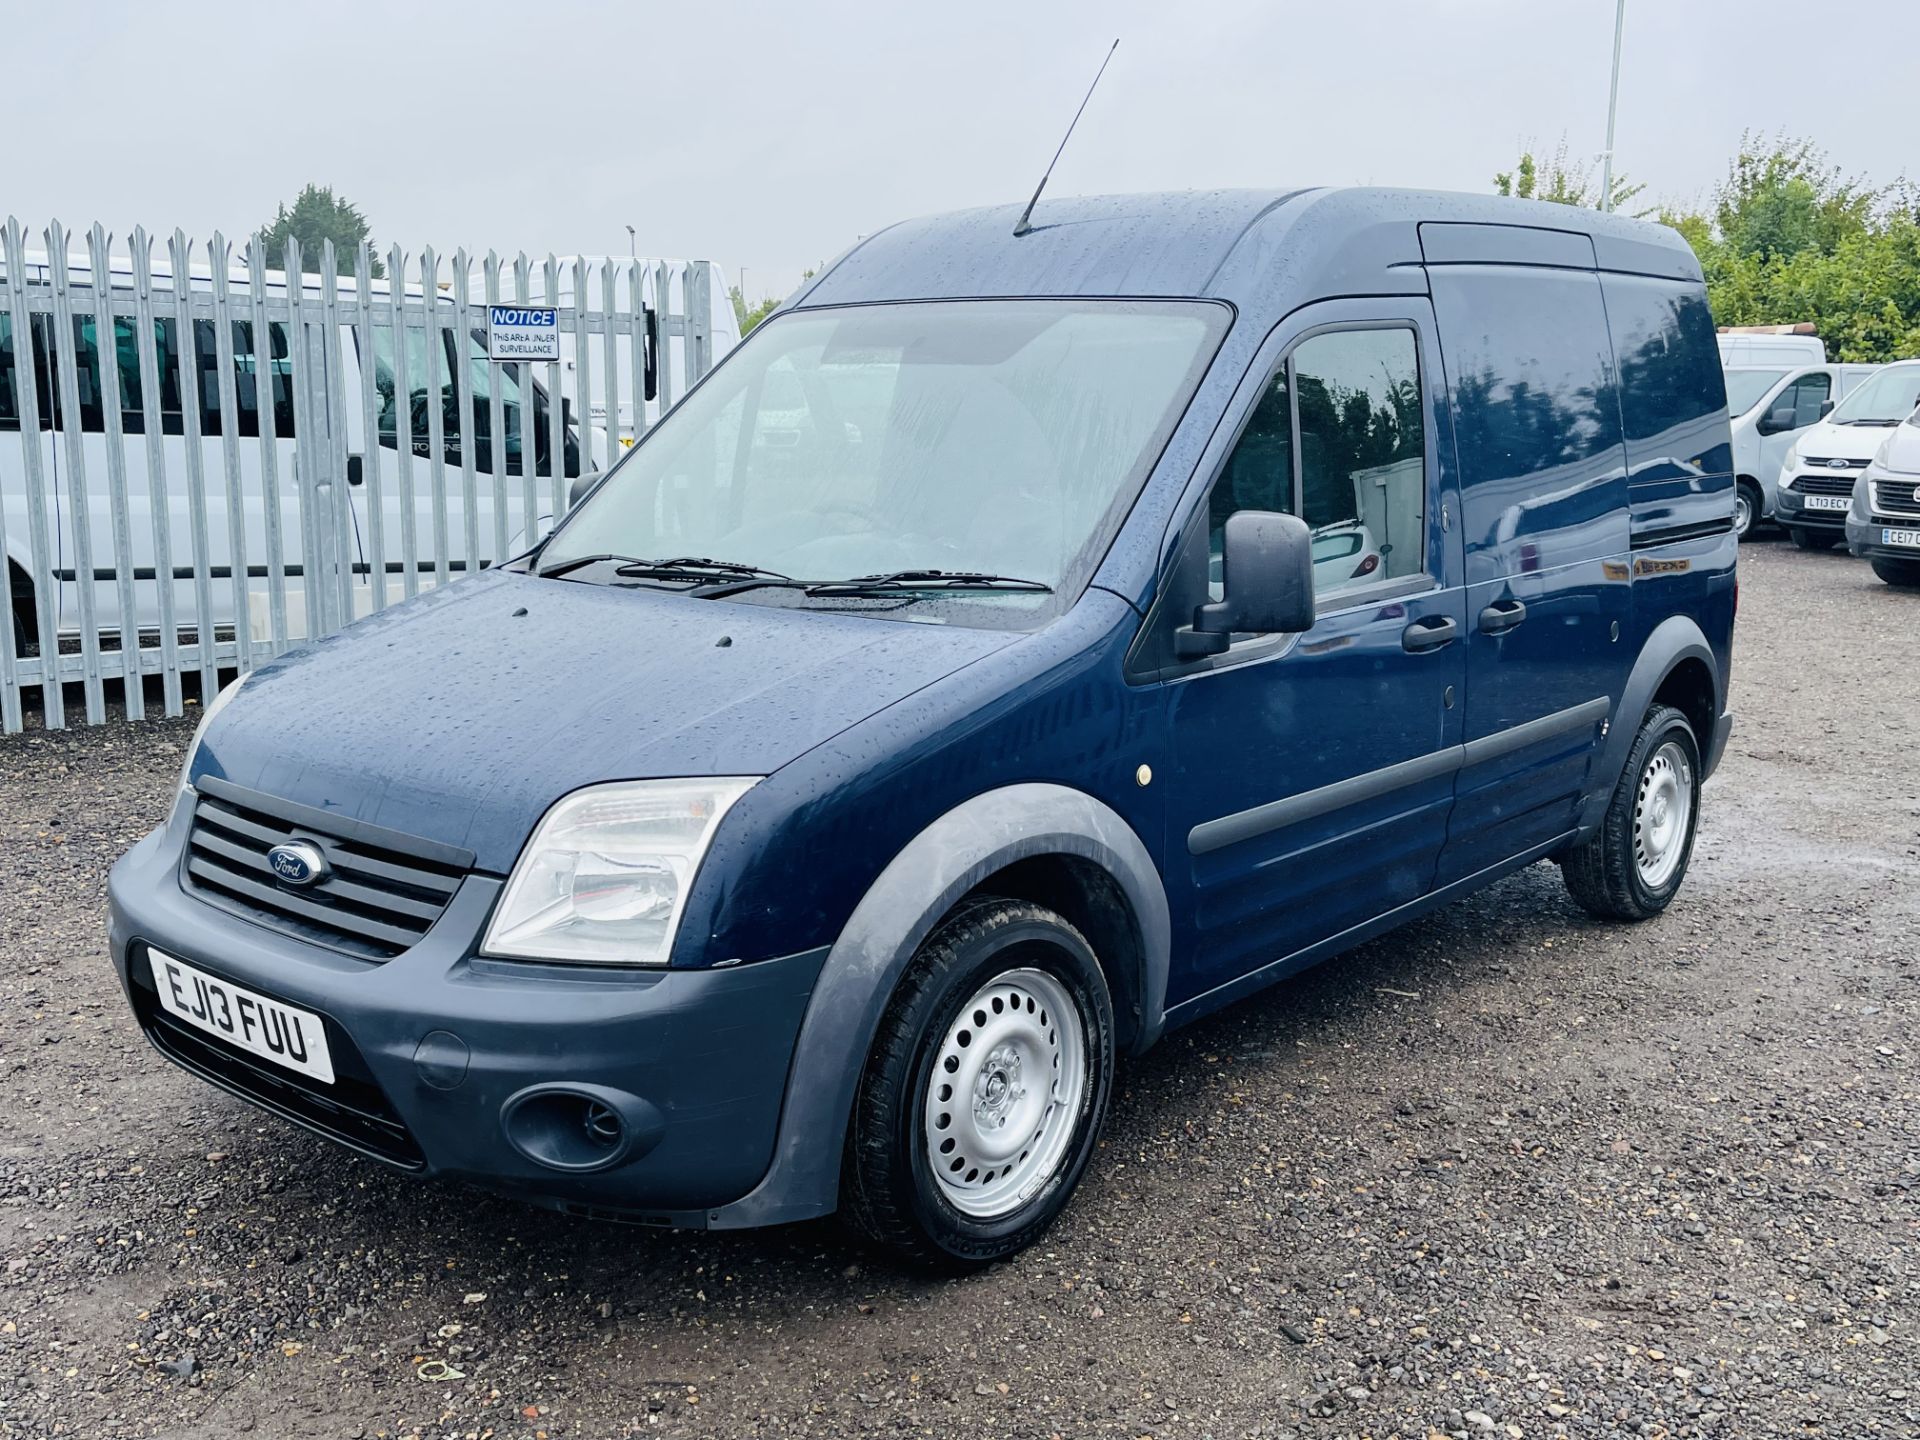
{"x":920,"y":884}
{"x":1674,"y":640}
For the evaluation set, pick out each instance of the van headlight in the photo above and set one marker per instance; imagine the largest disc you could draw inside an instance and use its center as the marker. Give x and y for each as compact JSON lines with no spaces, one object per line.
{"x":606,"y":874}
{"x":1792,"y":458}
{"x":213,"y":708}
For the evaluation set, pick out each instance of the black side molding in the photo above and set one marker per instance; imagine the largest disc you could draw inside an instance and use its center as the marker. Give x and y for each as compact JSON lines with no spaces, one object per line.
{"x":1532,"y":732}
{"x":1211,"y":835}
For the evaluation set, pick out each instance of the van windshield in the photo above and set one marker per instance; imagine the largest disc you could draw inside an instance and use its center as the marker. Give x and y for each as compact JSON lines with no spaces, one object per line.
{"x":1745,"y":388}
{"x":1002,"y":437}
{"x":1885,"y":398}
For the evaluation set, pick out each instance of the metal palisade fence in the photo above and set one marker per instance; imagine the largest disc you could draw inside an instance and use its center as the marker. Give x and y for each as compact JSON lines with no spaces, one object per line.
{"x":206,"y":458}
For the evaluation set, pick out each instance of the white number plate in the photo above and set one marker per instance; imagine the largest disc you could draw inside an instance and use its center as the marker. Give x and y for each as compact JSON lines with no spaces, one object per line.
{"x":263,"y":1027}
{"x":1828,"y":502}
{"x":1910,"y":538}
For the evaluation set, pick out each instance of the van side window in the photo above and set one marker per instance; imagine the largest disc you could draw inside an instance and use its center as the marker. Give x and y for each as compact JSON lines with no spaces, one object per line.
{"x":90,"y":374}
{"x":482,"y":376}
{"x":9,"y":401}
{"x":1358,"y":477}
{"x":1806,"y":396}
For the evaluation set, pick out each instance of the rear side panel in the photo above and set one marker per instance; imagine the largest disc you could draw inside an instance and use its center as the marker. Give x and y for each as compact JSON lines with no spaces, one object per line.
{"x":1544,"y":513}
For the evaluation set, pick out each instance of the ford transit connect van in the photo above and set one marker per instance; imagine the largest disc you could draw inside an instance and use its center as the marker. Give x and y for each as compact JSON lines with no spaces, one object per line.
{"x":975,"y":677}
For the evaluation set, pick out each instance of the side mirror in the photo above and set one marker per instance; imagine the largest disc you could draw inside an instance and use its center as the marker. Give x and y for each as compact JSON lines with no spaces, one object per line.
{"x":1776,"y":420}
{"x":582,"y":483}
{"x":1266,"y":582}
{"x":1826,"y":408}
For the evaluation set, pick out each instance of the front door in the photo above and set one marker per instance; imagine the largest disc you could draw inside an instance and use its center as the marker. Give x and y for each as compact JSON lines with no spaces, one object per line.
{"x":1313,"y":774}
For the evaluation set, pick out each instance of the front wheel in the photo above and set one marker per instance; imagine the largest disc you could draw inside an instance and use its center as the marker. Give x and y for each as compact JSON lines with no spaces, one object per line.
{"x":983,"y":1096}
{"x":1904,"y":573}
{"x":1632,"y":867}
{"x":1747,"y":506}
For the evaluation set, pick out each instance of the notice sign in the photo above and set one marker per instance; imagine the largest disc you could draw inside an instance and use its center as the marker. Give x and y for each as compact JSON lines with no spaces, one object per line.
{"x":521,"y":332}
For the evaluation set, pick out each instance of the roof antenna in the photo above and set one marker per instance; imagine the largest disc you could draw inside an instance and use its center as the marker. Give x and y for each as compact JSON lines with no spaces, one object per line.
{"x":1025,"y":222}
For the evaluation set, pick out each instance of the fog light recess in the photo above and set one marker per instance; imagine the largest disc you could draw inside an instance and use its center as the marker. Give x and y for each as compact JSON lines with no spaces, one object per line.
{"x":580,"y":1127}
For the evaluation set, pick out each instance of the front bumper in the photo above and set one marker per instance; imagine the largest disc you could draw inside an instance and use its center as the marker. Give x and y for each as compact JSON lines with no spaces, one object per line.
{"x":1790,"y":508}
{"x":1864,"y":536}
{"x":432,"y":1045}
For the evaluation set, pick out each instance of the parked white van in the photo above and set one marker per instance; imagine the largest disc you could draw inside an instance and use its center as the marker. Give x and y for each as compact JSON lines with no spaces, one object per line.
{"x":722,"y":328}
{"x":1771,"y":345}
{"x":1770,"y":405}
{"x":1818,"y":474}
{"x":249,"y":454}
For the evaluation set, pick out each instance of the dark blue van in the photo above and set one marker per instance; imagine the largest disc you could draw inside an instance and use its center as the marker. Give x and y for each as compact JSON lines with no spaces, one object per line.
{"x":1022,"y":645}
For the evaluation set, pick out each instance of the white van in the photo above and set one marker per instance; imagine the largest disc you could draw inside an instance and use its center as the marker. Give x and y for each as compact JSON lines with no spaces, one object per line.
{"x":716,"y":306}
{"x":1818,"y":474}
{"x":1770,"y":405}
{"x":1771,"y":345}
{"x":265,"y":464}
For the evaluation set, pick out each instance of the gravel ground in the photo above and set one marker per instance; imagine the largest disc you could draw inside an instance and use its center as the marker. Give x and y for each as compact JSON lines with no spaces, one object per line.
{"x":1506,"y":1172}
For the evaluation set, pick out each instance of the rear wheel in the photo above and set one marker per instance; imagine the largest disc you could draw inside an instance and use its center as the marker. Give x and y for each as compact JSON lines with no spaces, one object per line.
{"x":1805,"y":539}
{"x":1904,"y":573}
{"x":1632,"y":867}
{"x":1748,"y":504}
{"x":983,"y":1096}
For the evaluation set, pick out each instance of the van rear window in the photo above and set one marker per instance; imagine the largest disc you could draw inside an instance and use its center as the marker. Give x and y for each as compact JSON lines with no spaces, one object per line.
{"x":1671,"y":383}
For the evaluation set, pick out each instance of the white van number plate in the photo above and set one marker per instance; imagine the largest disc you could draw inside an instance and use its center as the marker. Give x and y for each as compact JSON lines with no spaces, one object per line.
{"x":280,"y":1033}
{"x":1909,"y":538}
{"x":1828,"y":502}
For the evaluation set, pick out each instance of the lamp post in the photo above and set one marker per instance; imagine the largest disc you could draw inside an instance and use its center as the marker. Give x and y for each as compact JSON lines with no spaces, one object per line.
{"x":633,"y":251}
{"x":1613,"y":106}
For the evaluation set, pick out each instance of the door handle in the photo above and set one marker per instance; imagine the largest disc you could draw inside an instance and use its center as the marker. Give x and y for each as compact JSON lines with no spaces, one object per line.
{"x":356,"y":470}
{"x":1501,"y":616}
{"x":1428,"y":634}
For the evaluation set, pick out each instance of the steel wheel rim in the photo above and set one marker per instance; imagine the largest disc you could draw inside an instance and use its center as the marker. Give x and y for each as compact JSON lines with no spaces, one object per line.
{"x":1005,"y":1092}
{"x":1742,"y":513}
{"x":1662,"y":814}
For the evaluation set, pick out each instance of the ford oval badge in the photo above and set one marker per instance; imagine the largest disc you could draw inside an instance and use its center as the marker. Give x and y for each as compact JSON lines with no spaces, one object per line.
{"x":297,"y":863}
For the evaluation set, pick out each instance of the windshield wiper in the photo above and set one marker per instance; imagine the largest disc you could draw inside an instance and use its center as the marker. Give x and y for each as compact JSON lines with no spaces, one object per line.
{"x":580,"y":562}
{"x":694,"y":567}
{"x":896,"y":581}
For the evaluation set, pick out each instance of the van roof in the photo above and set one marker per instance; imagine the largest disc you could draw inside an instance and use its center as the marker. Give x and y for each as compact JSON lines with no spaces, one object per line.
{"x":1256,"y":248}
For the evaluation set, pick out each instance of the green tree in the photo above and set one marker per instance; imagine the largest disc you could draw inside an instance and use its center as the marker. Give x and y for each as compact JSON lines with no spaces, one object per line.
{"x":1788,"y":238}
{"x":751,"y":315}
{"x":1560,"y":180}
{"x":318,"y":215}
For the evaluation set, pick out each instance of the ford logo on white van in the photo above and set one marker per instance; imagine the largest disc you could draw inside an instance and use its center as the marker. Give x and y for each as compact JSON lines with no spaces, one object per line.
{"x":297,"y":863}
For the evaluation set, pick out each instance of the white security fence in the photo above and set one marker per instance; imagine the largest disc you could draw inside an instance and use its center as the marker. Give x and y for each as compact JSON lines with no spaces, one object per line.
{"x":211,"y":459}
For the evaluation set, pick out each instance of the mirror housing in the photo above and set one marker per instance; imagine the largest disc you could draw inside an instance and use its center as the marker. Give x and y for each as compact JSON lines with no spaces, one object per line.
{"x":1266,"y":580}
{"x":1776,"y":420}
{"x":1826,"y":408}
{"x":582,"y":483}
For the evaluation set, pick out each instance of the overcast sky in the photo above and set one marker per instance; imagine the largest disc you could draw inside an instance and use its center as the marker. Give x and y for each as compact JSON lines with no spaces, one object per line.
{"x":768,"y":135}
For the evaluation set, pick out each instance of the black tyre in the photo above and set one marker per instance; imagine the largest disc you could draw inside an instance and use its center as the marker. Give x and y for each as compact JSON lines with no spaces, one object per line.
{"x":985,"y":1090}
{"x":1749,"y":506}
{"x":1805,"y":539}
{"x":1632,"y":868}
{"x":1903,"y":573}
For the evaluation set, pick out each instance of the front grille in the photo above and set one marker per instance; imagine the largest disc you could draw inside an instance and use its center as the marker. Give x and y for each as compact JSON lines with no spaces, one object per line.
{"x":1896,"y":497}
{"x":1827,"y":462}
{"x":1823,"y":484}
{"x":383,"y":894}
{"x":353,"y":1110}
